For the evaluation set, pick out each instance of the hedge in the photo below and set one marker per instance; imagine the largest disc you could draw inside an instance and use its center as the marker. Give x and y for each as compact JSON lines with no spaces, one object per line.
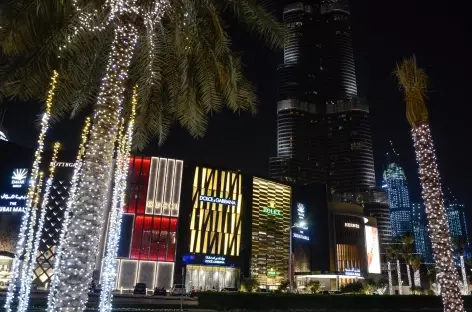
{"x":261,"y":301}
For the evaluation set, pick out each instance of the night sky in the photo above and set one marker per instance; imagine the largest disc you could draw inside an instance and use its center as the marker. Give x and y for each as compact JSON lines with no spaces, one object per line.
{"x":384,"y":33}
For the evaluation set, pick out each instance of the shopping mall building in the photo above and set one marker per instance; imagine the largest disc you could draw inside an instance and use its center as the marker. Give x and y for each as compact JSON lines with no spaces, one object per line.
{"x":211,"y":227}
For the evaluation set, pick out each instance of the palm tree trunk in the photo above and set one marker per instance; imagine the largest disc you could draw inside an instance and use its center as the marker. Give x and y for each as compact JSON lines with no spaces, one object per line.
{"x":400,"y":282}
{"x":438,"y":227}
{"x":417,"y":278}
{"x":464,"y":277}
{"x":81,"y":242}
{"x":390,"y":286}
{"x":409,"y":275}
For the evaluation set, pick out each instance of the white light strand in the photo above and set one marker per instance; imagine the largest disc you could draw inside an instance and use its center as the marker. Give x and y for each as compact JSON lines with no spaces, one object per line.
{"x":437,"y":223}
{"x":390,"y":285}
{"x":417,"y":278}
{"x":465,"y":284}
{"x":122,"y":167}
{"x":399,"y":275}
{"x":28,"y":274}
{"x":84,"y":233}
{"x":31,"y":192}
{"x":409,"y":275}
{"x":67,"y":212}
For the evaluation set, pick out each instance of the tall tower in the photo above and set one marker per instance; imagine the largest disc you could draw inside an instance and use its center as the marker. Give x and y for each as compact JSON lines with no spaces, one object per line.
{"x":299,"y":124}
{"x":350,"y":161}
{"x":399,"y":199}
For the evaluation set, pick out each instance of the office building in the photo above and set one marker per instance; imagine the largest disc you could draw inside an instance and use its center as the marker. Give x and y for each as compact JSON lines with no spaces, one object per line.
{"x":396,"y":186}
{"x":456,"y":218}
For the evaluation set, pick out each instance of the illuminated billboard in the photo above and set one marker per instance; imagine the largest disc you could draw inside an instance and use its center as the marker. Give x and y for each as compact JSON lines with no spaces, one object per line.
{"x":372,"y":247}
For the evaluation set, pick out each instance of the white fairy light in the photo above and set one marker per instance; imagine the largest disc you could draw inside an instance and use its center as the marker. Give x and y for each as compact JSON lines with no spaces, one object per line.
{"x":67,"y":212}
{"x":79,"y":251}
{"x":28,"y":273}
{"x":399,"y":275}
{"x":114,"y":230}
{"x":33,"y":183}
{"x":408,"y":272}
{"x":390,"y":285}
{"x":437,"y":223}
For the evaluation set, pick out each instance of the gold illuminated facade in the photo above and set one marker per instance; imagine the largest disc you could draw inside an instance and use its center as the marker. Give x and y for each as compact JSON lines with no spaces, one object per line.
{"x":215,"y":224}
{"x":271,"y":204}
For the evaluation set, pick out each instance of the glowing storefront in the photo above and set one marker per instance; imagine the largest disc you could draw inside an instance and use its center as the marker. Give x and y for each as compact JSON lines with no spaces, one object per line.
{"x":215,"y":227}
{"x":271,"y":208}
{"x":148,"y":239}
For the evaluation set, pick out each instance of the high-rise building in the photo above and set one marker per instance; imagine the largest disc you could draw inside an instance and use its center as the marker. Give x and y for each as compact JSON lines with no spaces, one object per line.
{"x":396,"y":187}
{"x":299,"y":122}
{"x":420,"y":231}
{"x":456,"y":218}
{"x":323,"y":130}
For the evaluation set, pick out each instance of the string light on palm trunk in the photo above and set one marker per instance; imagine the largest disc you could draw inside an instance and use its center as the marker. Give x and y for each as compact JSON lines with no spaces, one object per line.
{"x":437,"y":223}
{"x":114,"y":229}
{"x":67,"y":212}
{"x":79,"y":251}
{"x":33,"y":181}
{"x":28,"y":274}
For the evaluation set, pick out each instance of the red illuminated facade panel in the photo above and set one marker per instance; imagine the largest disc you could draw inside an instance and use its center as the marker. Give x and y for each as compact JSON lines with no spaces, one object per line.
{"x":152,"y":207}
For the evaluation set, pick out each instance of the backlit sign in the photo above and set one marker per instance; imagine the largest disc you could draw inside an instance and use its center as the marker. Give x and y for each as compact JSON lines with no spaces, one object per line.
{"x":351,"y":225}
{"x":18,"y":178}
{"x":217,"y":200}
{"x":300,"y":227}
{"x":214,"y":260}
{"x":64,"y":164}
{"x":372,"y":246}
{"x":352,"y":272}
{"x":12,"y":203}
{"x":272,"y":211}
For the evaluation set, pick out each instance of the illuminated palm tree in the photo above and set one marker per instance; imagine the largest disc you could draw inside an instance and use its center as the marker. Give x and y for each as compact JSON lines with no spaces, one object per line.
{"x":390,"y":254}
{"x":177,"y":51}
{"x":407,"y":242}
{"x":413,"y":82}
{"x":460,"y":242}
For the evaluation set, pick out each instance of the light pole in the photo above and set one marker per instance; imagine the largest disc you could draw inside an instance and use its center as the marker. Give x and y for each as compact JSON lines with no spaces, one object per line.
{"x":290,"y":259}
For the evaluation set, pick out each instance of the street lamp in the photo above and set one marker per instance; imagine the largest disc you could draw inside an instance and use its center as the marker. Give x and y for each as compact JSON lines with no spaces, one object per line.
{"x":299,"y":224}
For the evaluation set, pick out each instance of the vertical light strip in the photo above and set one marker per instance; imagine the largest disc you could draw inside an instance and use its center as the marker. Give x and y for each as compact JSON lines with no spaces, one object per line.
{"x":177,"y":188}
{"x":151,"y":191}
{"x":31,"y":191}
{"x":28,"y":274}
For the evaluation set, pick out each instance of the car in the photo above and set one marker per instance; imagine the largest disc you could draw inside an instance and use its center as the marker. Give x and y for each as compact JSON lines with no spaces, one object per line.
{"x":178,"y":290}
{"x":160,"y":291}
{"x":139,"y":289}
{"x":229,"y":289}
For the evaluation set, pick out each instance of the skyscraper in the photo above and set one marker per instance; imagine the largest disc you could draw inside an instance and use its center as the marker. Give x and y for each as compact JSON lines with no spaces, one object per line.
{"x":456,"y":218}
{"x":396,"y":187}
{"x":323,"y":130}
{"x":299,"y":122}
{"x":420,"y":231}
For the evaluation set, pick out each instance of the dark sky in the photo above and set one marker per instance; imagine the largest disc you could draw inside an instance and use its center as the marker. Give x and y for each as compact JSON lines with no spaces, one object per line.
{"x":384,"y":33}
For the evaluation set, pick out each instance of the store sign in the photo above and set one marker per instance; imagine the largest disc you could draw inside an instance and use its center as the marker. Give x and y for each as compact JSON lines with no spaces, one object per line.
{"x":352,"y":272}
{"x":211,"y":199}
{"x":271,"y":273}
{"x":18,"y":178}
{"x":300,"y":236}
{"x":351,"y":225}
{"x":214,"y":260}
{"x":64,"y":164}
{"x":12,"y":203}
{"x":300,"y":227}
{"x":271,"y":211}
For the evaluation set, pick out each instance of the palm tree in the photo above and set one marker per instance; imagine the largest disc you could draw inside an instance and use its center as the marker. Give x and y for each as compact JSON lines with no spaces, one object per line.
{"x":460,"y":243}
{"x":390,"y":254}
{"x":407,"y":242}
{"x":415,"y":263}
{"x":177,"y":51}
{"x":413,"y":82}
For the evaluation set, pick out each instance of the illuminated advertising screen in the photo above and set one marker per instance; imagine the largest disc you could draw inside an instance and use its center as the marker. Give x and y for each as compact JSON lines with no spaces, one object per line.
{"x":372,"y":246}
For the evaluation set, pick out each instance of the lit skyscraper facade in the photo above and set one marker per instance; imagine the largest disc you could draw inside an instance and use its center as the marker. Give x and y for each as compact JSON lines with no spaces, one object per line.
{"x":456,"y":218}
{"x":323,"y":129}
{"x":299,"y":124}
{"x":396,"y":187}
{"x":420,"y":231}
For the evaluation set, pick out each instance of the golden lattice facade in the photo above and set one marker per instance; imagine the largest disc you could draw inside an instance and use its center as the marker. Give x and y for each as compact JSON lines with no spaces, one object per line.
{"x":271,"y":204}
{"x":215,"y":225}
